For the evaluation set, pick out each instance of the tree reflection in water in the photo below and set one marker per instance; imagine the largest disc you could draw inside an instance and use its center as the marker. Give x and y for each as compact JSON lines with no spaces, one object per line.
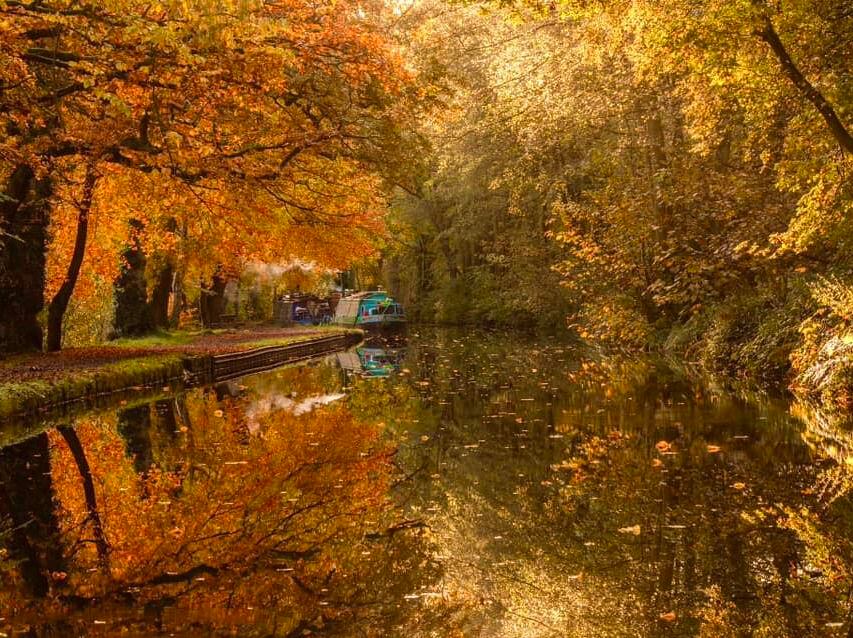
{"x":487,"y":486}
{"x":205,"y":528}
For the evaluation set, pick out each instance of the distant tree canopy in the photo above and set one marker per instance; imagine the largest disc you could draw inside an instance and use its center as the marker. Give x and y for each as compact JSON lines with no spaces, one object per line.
{"x":689,"y":162}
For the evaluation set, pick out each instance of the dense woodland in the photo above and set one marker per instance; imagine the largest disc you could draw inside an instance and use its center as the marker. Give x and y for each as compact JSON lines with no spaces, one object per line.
{"x":687,"y":162}
{"x":663,"y":175}
{"x":650,"y":178}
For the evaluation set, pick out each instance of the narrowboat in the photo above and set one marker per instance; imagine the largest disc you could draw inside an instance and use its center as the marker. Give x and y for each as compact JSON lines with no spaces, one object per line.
{"x":306,"y":310}
{"x":369,"y":310}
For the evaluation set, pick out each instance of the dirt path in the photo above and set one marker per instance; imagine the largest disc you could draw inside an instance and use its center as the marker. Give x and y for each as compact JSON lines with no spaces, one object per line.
{"x":50,"y":366}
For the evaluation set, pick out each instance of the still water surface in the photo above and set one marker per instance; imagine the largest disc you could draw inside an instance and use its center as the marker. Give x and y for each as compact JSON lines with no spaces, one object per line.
{"x":450,"y":484}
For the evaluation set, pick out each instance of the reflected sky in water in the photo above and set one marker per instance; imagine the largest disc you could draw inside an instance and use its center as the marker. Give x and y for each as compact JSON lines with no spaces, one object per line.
{"x":454,"y":484}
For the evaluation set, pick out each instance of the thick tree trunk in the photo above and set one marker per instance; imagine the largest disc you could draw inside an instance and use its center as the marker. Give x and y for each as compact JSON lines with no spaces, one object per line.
{"x":162,"y":265}
{"x":836,"y":126}
{"x":24,"y":214}
{"x":212,"y":300}
{"x":59,"y":304}
{"x":158,"y":306}
{"x":131,"y":299}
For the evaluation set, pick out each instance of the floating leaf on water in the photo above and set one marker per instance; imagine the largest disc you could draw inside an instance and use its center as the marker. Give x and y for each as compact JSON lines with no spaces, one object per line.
{"x":713,"y":449}
{"x":424,"y":438}
{"x":219,"y":413}
{"x":668,"y":616}
{"x":636,"y":530}
{"x":663,"y":446}
{"x":657,"y":463}
{"x":738,"y":486}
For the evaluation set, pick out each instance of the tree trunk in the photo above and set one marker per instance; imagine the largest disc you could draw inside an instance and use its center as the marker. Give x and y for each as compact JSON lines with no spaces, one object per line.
{"x":212,"y":301}
{"x":158,"y":306}
{"x":131,"y":299}
{"x":836,"y":127}
{"x":163,"y":267}
{"x":59,"y":304}
{"x":24,"y":214}
{"x":178,"y":297}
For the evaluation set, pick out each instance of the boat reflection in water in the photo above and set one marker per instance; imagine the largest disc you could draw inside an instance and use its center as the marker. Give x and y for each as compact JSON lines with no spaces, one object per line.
{"x":375,"y":357}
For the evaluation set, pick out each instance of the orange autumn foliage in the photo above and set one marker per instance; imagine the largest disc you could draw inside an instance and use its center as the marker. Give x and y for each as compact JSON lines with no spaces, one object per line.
{"x":235,"y":132}
{"x":224,"y":492}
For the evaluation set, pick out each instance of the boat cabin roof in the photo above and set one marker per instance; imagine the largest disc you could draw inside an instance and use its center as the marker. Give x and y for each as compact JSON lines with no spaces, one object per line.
{"x":376,"y":295}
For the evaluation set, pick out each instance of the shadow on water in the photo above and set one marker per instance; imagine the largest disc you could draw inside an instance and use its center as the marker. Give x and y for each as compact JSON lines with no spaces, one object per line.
{"x":468,"y":484}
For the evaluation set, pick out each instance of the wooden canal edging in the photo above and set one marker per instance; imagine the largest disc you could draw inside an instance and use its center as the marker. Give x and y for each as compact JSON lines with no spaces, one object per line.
{"x":234,"y":364}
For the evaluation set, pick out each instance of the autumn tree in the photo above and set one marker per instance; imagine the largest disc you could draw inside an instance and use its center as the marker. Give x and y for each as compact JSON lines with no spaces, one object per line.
{"x":680,"y":167}
{"x":268,"y":117}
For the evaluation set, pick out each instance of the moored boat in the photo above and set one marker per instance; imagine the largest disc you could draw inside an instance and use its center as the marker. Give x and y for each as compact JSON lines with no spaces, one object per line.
{"x":369,"y":310}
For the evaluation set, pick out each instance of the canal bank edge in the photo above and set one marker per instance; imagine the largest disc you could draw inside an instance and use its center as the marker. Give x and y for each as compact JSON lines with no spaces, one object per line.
{"x":37,"y":397}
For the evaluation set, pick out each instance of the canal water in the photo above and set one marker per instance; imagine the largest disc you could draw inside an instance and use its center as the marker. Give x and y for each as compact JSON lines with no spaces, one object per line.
{"x":446,"y":484}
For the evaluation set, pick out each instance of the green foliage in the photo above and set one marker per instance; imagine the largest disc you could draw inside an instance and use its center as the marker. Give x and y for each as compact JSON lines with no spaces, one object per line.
{"x":89,"y":320}
{"x":643,"y":172}
{"x":470,"y":244}
{"x":834,"y":294}
{"x":751,"y":333}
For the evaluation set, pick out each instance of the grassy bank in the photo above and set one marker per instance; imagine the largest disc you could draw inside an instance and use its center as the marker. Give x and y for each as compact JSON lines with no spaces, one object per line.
{"x":151,"y":361}
{"x":33,"y":395}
